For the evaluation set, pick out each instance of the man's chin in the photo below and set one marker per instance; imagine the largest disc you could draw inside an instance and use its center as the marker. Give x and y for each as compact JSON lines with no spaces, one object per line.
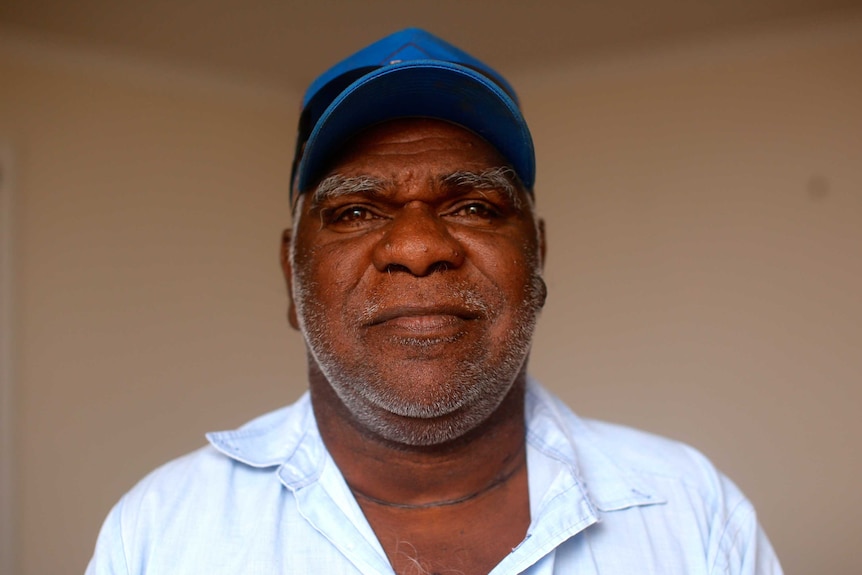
{"x":432,"y":417}
{"x":426,"y":431}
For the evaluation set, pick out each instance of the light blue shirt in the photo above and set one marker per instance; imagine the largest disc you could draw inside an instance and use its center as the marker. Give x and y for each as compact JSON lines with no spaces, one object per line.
{"x":267,"y":498}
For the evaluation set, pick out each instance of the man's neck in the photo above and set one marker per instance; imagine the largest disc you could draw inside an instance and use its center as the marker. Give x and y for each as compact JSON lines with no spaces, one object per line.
{"x":388,"y":473}
{"x":458,"y":507}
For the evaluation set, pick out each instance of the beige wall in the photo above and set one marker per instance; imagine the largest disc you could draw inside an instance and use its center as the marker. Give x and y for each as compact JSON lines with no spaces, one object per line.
{"x":704,"y":208}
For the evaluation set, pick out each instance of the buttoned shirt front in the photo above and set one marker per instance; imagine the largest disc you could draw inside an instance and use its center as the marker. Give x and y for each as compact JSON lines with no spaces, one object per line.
{"x":267,"y":498}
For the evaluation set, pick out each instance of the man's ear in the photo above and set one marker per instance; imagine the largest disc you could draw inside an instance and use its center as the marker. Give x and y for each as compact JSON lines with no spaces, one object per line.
{"x":288,"y":277}
{"x":543,"y":244}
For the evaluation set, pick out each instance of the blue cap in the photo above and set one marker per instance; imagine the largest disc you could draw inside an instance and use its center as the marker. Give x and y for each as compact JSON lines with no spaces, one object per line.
{"x":410,"y":73}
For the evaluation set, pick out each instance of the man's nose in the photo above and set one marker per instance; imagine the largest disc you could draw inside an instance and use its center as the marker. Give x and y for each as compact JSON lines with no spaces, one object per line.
{"x":417,"y":241}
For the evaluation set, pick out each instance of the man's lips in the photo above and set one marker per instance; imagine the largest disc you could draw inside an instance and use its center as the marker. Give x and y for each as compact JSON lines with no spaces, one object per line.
{"x":421,"y":313}
{"x":422,"y":320}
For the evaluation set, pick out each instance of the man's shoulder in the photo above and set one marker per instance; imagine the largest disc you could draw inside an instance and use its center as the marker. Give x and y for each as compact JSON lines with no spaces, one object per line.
{"x":185,"y":515}
{"x":601,"y":449}
{"x":643,"y":487}
{"x":648,"y":452}
{"x":242,"y":455}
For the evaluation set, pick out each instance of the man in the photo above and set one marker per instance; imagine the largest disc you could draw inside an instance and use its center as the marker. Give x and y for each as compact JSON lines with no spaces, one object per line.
{"x":414,"y":273}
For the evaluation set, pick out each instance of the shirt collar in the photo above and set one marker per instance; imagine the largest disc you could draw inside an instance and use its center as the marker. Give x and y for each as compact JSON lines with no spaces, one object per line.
{"x":290,"y":436}
{"x":590,"y":457}
{"x":270,"y":439}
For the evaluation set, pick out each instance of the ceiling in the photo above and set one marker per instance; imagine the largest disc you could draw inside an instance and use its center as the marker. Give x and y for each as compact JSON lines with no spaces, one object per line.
{"x":287,"y":43}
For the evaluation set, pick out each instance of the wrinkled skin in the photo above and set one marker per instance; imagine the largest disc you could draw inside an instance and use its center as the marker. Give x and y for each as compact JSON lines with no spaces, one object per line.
{"x":418,"y":297}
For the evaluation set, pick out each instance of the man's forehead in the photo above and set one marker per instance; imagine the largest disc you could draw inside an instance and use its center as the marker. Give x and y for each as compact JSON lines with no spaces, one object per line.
{"x":399,"y":144}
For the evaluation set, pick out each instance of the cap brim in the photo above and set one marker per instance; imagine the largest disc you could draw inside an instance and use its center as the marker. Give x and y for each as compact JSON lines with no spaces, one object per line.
{"x":421,"y":88}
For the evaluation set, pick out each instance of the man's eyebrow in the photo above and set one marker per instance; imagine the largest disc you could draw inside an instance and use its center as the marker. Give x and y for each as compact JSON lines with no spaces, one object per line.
{"x":337,"y":185}
{"x":501,"y":178}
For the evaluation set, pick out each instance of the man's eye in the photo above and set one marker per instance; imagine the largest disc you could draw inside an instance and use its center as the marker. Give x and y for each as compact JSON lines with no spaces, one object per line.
{"x":352,"y":214}
{"x":476,"y":210}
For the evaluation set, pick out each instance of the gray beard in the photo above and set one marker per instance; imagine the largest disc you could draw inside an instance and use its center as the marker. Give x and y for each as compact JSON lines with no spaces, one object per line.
{"x":479,"y":385}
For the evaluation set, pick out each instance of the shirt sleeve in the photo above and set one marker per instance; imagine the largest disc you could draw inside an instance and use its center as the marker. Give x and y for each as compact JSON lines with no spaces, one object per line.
{"x":744,"y":548}
{"x":109,"y":557}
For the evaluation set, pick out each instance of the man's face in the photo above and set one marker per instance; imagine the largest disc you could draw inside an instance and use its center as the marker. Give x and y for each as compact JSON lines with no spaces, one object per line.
{"x":415,"y":278}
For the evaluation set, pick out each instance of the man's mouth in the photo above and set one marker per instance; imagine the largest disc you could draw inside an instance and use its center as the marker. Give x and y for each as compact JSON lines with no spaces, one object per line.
{"x":421,"y":312}
{"x":423,"y":321}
